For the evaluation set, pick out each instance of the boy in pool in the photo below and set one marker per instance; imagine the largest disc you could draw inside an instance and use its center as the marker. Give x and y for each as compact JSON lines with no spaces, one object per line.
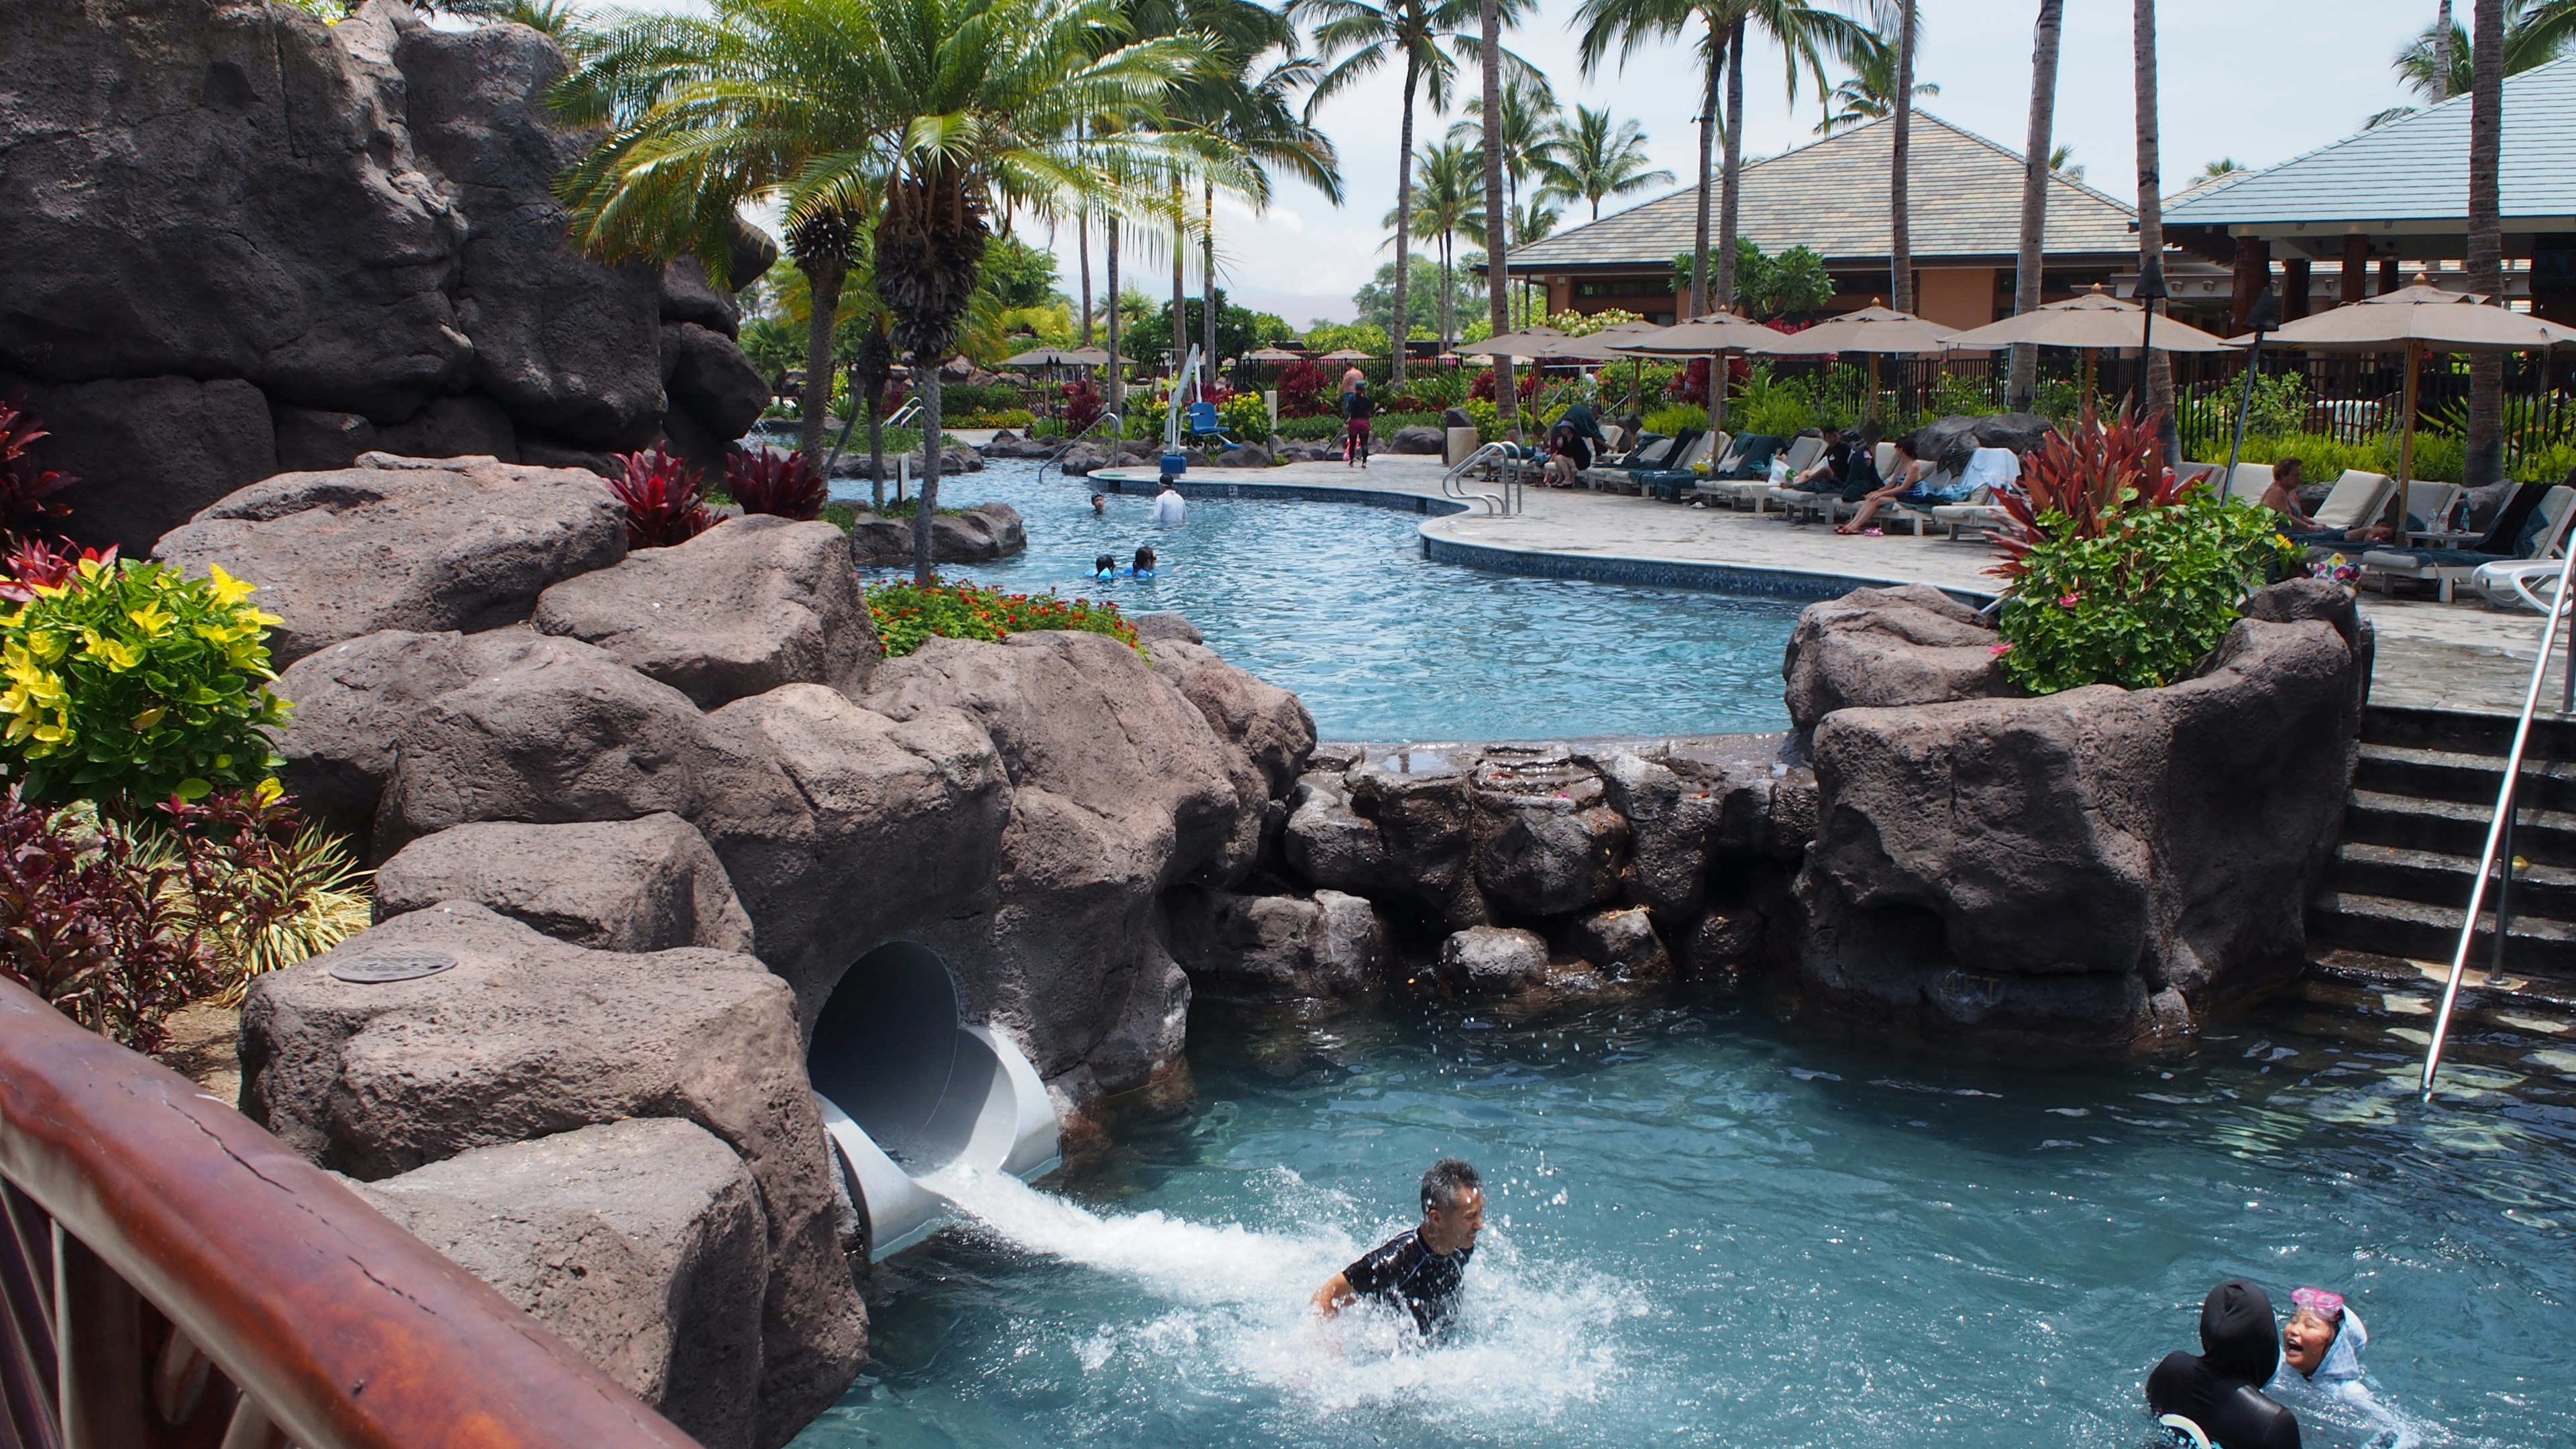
{"x":1104,"y":568}
{"x":1423,"y":1267}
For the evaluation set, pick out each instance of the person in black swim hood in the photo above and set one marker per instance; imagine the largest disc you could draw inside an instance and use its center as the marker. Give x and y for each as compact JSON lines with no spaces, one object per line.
{"x":1423,"y":1268}
{"x":2219,"y":1387}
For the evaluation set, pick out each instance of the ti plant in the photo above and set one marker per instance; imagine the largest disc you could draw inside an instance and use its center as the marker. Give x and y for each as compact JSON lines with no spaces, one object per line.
{"x":784,"y":485}
{"x":665,"y":498}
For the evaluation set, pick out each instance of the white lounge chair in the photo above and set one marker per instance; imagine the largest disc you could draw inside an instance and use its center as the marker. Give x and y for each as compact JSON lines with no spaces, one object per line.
{"x":1799,"y":456}
{"x":2429,"y":505}
{"x":2446,"y":568}
{"x":2356,"y":498}
{"x":2249,"y":482}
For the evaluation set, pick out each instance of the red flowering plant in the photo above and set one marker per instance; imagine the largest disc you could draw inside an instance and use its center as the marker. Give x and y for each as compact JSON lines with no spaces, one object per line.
{"x":1301,"y":390}
{"x":781,"y":484}
{"x":1526,"y":383}
{"x":1082,"y":406}
{"x":91,"y":927}
{"x":26,"y":489}
{"x":33,"y":564}
{"x":2116,"y":572}
{"x":665,"y":498}
{"x":907,"y":615}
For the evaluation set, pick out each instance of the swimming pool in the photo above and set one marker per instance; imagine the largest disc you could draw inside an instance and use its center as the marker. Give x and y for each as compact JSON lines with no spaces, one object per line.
{"x":1710,"y":1229}
{"x":1336,"y":602}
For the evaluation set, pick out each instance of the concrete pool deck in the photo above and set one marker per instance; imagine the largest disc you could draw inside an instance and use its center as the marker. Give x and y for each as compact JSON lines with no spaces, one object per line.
{"x":2463,"y":656}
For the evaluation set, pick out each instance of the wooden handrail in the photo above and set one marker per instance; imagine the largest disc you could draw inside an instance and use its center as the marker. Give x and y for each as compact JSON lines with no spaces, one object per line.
{"x":346,"y":1330}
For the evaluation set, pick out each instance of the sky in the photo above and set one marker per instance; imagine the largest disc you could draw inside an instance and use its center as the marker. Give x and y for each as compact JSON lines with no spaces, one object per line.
{"x":2260,"y":81}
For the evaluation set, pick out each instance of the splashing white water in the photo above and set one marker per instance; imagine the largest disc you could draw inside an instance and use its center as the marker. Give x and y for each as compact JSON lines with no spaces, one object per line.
{"x":1529,"y":1340}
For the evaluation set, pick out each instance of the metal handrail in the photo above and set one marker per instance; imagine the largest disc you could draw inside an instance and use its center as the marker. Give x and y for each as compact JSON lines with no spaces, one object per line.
{"x":1452,"y":487}
{"x":2500,"y":828}
{"x":341,"y":1330}
{"x":1057,"y":457}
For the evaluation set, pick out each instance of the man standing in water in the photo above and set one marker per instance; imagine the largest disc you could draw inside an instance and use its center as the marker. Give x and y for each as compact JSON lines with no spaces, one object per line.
{"x":1421,"y":1268}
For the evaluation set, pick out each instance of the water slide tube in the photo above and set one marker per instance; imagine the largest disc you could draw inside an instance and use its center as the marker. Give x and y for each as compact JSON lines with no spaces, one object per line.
{"x":907,"y":1089}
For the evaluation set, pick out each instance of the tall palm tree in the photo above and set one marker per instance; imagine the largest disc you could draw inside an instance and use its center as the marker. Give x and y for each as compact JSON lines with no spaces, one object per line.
{"x":989,"y":101}
{"x":2024,"y":380}
{"x":703,"y":113}
{"x":1498,"y":268}
{"x":1446,"y":202}
{"x":1806,"y":33}
{"x":2485,"y":259}
{"x":1252,"y":108}
{"x":1900,"y":169}
{"x":1589,"y":160}
{"x":1529,"y":118}
{"x":1429,"y":37}
{"x":1868,"y":93}
{"x":2151,"y":217}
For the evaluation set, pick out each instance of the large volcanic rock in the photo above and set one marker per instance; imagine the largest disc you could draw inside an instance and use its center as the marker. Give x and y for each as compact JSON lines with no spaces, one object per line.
{"x":2094,"y":869}
{"x":1908,"y":645}
{"x":215,"y":213}
{"x":649,"y":884}
{"x":523,"y":1038}
{"x":638,"y":1242}
{"x":397,"y":543}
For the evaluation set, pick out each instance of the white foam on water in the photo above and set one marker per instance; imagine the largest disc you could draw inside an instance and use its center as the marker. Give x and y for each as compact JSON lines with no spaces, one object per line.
{"x":1530,"y":1342}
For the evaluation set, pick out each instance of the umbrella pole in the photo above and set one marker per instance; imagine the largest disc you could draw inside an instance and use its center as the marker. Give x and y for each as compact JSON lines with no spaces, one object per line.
{"x":2406,"y":444}
{"x":2084,"y":404}
{"x":1873,"y":394}
{"x":2253,"y":363}
{"x":1717,"y":392}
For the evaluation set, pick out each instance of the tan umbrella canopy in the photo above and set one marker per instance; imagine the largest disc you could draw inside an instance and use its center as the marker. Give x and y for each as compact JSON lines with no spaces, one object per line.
{"x":1271,"y":354}
{"x":1042,"y":357}
{"x":1873,"y":330}
{"x":1710,"y":336}
{"x":1599,"y":347}
{"x":1347,"y":354}
{"x":2419,"y":319}
{"x":2093,"y":321}
{"x":1087,"y":357}
{"x":1523,"y":344}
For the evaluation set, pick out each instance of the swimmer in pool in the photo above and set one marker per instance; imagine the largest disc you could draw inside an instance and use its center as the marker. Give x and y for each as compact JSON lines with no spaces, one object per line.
{"x":1422,"y":1268}
{"x":2219,"y":1389}
{"x":1099,"y":505}
{"x":2321,"y":1370}
{"x":1143,"y":567}
{"x":1105,"y":567}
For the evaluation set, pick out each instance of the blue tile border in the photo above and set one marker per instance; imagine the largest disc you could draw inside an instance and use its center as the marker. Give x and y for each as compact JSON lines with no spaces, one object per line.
{"x":1715,"y":578}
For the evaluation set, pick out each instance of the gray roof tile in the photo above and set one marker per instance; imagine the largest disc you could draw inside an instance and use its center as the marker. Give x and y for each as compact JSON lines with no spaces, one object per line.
{"x":1832,"y":196}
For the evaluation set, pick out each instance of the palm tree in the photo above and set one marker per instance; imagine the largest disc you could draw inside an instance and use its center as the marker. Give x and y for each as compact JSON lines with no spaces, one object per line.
{"x":1530,"y":118}
{"x":1805,"y":33}
{"x":1002,"y":100}
{"x":2485,"y":258}
{"x":1445,"y":203}
{"x":703,"y":113}
{"x":1900,"y":202}
{"x":2151,"y":220}
{"x":1498,"y":268}
{"x":1357,"y":38}
{"x":1867,"y":94}
{"x":2061,"y":159}
{"x":1253,"y":111}
{"x":1587,"y":160}
{"x":2023,"y":380}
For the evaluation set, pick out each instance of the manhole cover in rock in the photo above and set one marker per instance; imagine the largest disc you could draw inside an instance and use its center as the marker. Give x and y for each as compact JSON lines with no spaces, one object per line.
{"x":410,"y":966}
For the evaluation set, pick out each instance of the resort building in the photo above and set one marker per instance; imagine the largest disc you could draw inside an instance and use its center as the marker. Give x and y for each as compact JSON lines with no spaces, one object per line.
{"x":1831,"y":197}
{"x":2365,"y":214}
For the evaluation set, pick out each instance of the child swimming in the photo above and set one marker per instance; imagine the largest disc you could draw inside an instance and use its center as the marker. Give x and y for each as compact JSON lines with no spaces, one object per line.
{"x":1143,"y":568}
{"x":2321,"y":1375}
{"x":1104,"y":568}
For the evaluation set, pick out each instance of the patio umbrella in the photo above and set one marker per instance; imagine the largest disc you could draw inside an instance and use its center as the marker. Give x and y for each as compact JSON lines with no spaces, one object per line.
{"x":1087,"y":357}
{"x":1523,"y":344}
{"x":2089,"y":323}
{"x":2420,"y":318}
{"x":1271,"y":354}
{"x":1040,"y":357}
{"x":1347,"y":354}
{"x":1711,"y":336}
{"x":1873,"y":330}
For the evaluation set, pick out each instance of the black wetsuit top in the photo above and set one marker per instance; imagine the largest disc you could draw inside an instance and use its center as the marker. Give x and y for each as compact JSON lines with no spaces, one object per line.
{"x":1404,"y":1270}
{"x":2216,"y":1388}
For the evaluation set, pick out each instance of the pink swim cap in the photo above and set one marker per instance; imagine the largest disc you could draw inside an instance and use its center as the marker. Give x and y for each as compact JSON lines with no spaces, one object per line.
{"x":2325,"y":1305}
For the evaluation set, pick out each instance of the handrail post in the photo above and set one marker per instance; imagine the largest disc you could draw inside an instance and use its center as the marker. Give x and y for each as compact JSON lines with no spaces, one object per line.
{"x":99,"y":1360}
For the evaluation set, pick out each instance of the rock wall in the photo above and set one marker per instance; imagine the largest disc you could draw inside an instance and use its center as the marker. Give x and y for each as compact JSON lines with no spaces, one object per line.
{"x":239,"y":240}
{"x":2087,"y":872}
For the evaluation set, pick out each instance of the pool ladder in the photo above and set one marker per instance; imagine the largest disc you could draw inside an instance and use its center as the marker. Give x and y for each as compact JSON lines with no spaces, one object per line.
{"x":1055,"y":459}
{"x":2498,"y":856}
{"x":1453,"y":482}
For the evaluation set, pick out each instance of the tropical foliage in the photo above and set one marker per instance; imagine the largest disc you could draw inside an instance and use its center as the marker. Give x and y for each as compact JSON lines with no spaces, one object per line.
{"x":1590,"y":160}
{"x":908,"y":614}
{"x":1766,"y":286}
{"x":665,"y":498}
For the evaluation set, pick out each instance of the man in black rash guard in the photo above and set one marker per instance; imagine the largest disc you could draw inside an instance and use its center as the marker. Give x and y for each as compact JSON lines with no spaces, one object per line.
{"x":1422,"y":1267}
{"x":2219,"y":1388}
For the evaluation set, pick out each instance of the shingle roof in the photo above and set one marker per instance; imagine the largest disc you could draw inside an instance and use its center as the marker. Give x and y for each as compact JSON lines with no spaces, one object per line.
{"x":1832,"y":196}
{"x":2416,"y":168}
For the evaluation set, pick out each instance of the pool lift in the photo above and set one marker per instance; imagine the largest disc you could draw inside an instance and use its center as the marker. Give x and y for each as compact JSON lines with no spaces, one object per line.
{"x":1200,"y":412}
{"x":909,"y":1089}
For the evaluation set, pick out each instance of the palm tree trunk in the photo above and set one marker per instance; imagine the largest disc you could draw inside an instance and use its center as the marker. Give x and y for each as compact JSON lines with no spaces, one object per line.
{"x":2485,"y":260}
{"x":1498,"y":297}
{"x":2442,"y":58}
{"x":1707,"y":159}
{"x":1180,"y":285}
{"x":1730,"y":201}
{"x":1900,"y":216}
{"x":1207,"y":275}
{"x":876,"y":448}
{"x":2151,"y":219}
{"x":823,"y":278}
{"x":925,"y":504}
{"x":1401,"y":328}
{"x":2034,"y":195}
{"x":1082,"y":247}
{"x":1117,"y":393}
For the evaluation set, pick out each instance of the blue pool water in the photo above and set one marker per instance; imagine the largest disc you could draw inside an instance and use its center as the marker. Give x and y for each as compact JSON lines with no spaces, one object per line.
{"x":1336,"y":602}
{"x":1711,"y":1229}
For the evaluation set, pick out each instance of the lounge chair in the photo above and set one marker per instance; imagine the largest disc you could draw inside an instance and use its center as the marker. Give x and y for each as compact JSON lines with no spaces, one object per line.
{"x":1652,"y":454}
{"x":1674,"y":483}
{"x":1747,"y":457}
{"x":2428,"y":507}
{"x":2523,"y":585}
{"x":2357,"y":498}
{"x":2248,"y":483}
{"x":1801,"y":454}
{"x":2542,"y":536}
{"x":1981,"y":512}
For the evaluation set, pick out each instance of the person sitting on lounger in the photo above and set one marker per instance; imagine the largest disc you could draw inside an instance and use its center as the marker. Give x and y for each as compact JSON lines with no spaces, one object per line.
{"x":2288,"y":474}
{"x":1905,"y":487}
{"x":1831,"y":468}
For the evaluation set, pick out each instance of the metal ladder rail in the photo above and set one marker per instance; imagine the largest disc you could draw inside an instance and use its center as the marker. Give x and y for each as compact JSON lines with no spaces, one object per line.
{"x":1452,"y":487}
{"x":1056,"y":459}
{"x":2499,"y":846}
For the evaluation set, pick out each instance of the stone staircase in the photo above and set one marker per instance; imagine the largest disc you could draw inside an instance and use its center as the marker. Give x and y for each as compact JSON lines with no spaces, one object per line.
{"x":2422,"y":796}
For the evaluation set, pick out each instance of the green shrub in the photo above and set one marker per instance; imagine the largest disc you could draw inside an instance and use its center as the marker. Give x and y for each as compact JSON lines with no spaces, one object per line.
{"x":2549,"y":464}
{"x":1321,"y":429}
{"x":1246,"y":416}
{"x":993,"y":418}
{"x":843,"y":516}
{"x":1674,"y":420}
{"x":2117,"y":575}
{"x":129,"y":683}
{"x":906,"y":615}
{"x":957,"y":400}
{"x":1958,"y":395}
{"x":1487,"y":418}
{"x":1385,"y":424}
